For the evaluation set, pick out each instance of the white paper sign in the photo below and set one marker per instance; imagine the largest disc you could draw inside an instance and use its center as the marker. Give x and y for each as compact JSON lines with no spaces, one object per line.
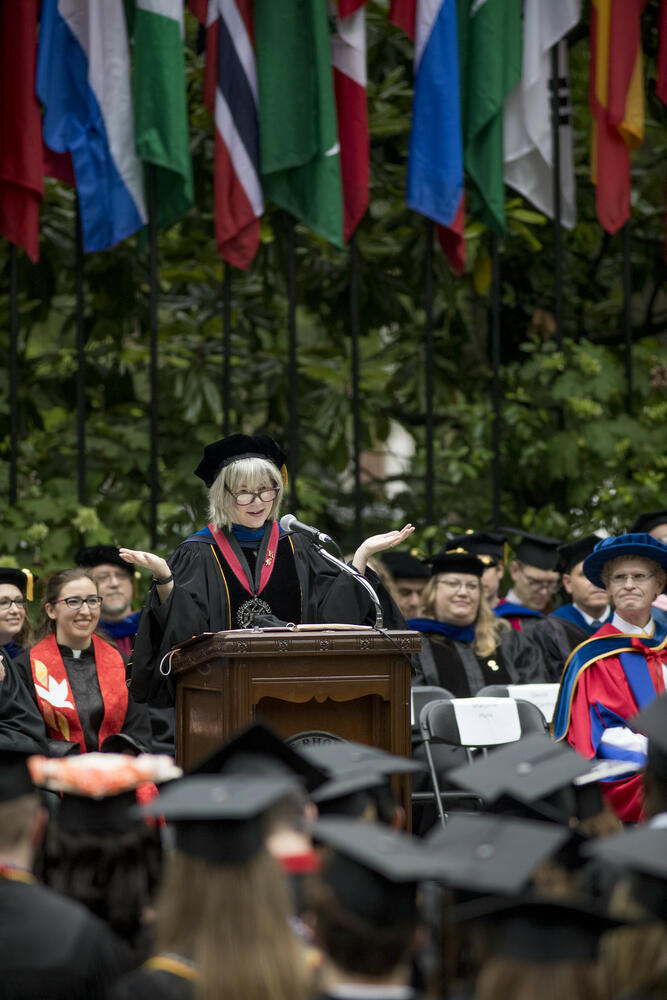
{"x":485,"y":722}
{"x":542,"y":695}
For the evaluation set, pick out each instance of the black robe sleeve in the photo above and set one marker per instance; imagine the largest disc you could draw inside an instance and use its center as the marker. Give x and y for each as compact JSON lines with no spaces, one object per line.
{"x":523,"y":657}
{"x":555,"y":638}
{"x":21,"y":723}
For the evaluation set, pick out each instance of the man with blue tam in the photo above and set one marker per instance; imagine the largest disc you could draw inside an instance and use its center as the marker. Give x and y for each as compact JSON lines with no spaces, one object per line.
{"x":622,"y":668}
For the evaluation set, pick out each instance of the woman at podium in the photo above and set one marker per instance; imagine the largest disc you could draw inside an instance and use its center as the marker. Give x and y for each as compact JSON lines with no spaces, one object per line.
{"x":241,"y":567}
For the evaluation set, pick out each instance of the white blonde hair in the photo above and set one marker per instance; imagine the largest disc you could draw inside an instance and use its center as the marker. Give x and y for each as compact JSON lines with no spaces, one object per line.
{"x":246,"y":472}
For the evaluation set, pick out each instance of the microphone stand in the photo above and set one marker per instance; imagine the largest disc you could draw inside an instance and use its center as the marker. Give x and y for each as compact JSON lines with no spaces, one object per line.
{"x":356,"y":575}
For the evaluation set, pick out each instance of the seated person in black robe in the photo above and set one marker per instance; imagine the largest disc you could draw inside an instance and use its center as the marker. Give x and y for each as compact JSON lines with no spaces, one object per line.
{"x":464,"y":646}
{"x":241,"y":565}
{"x":21,"y":724}
{"x":50,"y":947}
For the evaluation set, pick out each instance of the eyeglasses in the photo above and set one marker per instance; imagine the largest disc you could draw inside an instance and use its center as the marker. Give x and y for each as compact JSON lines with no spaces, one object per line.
{"x":636,"y":579}
{"x":6,"y":602}
{"x":534,"y":584}
{"x":454,"y":585}
{"x":266,"y":496}
{"x":76,"y":602}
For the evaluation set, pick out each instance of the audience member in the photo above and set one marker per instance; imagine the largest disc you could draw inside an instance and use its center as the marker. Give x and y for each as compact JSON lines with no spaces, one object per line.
{"x":489,"y":547}
{"x":534,"y":581}
{"x":115,"y":586}
{"x":16,"y":591}
{"x":409,"y":576}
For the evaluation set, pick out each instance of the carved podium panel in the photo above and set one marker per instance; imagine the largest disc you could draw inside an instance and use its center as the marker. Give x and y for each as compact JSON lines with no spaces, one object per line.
{"x":352,"y":683}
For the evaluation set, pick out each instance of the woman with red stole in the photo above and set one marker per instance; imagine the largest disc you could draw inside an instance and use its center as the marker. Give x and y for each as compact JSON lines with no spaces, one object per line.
{"x":78,"y":680}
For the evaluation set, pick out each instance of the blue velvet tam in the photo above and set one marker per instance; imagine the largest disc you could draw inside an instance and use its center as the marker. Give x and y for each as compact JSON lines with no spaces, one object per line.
{"x":639,"y":544}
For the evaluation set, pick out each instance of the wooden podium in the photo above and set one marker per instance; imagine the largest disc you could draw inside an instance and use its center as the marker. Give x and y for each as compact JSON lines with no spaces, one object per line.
{"x":351,"y":683}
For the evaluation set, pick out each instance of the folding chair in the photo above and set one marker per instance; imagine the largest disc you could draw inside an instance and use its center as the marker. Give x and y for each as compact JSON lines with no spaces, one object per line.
{"x":421,"y":695}
{"x":474,"y":724}
{"x":542,"y":695}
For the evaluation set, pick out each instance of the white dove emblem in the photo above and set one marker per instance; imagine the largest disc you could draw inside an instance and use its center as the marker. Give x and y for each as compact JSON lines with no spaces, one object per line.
{"x":56,"y":695}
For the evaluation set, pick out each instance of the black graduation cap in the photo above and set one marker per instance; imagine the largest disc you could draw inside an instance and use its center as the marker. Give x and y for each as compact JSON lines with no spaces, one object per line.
{"x":110,"y":814}
{"x":538,"y":551}
{"x":572,"y":553}
{"x":345,"y":756}
{"x":97,"y":555}
{"x":374,"y":871}
{"x":15,"y":779}
{"x":458,"y":560}
{"x":220,"y":818}
{"x":648,"y":521}
{"x":532,"y":929}
{"x":346,"y":794}
{"x":480,"y":543}
{"x":405,"y":565}
{"x":21,"y":578}
{"x":483,"y":853}
{"x":236,"y":446}
{"x":259,"y":752}
{"x":652,"y":721}
{"x":643,"y":853}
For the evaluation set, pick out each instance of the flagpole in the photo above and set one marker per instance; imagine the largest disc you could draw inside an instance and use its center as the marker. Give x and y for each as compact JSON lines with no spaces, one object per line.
{"x":356,"y":402}
{"x":80,"y":360}
{"x":556,"y":178}
{"x":428,"y":362}
{"x":153,"y":336}
{"x":226,"y":348}
{"x":495,"y":383}
{"x":13,"y":373}
{"x":627,"y":316}
{"x":293,"y":415}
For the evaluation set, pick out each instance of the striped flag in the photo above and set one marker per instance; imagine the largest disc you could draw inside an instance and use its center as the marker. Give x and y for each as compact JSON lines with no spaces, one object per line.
{"x":435,"y":167}
{"x":21,"y":164}
{"x":83,"y":81}
{"x":160,"y":104}
{"x":528,"y":148}
{"x":616,"y":97}
{"x":230,"y":92}
{"x":348,"y":56}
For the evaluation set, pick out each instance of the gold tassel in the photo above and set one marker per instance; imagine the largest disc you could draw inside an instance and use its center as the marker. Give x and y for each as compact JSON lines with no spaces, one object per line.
{"x":29,"y":584}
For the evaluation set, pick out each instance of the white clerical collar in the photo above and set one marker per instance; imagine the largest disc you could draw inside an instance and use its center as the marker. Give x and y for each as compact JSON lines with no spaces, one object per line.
{"x":629,"y":629}
{"x":589,"y":619}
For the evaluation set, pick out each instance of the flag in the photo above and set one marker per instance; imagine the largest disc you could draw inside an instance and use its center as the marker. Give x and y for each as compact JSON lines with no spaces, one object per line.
{"x":83,"y":81}
{"x":527,"y":117}
{"x":199,"y":8}
{"x":348,"y":57}
{"x":297,"y":114}
{"x":160,"y":104}
{"x":616,"y":98}
{"x":21,"y":167}
{"x":230,"y":93}
{"x":435,"y":166}
{"x":490,"y":54}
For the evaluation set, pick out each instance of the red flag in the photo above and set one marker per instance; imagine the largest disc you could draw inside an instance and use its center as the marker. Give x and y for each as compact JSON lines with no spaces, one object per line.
{"x":616,"y":98}
{"x":199,"y":9}
{"x":21,"y":169}
{"x":348,"y":56}
{"x":403,"y":13}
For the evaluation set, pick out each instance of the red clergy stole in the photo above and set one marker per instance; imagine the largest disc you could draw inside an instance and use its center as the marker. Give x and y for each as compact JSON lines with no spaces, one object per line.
{"x":54,"y":694}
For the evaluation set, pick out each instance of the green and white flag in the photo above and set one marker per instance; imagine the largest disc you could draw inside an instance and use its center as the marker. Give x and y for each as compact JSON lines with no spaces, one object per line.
{"x":160,"y":104}
{"x":298,"y":133}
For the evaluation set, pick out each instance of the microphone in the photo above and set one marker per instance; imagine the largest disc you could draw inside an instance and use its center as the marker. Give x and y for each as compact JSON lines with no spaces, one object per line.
{"x":289,"y":523}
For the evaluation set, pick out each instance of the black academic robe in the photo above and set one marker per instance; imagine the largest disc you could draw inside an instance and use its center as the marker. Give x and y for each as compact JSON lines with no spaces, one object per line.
{"x":205,"y":593}
{"x":556,"y":638}
{"x":454,"y":665}
{"x":51,"y":947}
{"x":21,"y":722}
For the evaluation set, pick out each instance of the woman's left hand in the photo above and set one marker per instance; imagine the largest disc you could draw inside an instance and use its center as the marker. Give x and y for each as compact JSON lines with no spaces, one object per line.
{"x":379,"y":543}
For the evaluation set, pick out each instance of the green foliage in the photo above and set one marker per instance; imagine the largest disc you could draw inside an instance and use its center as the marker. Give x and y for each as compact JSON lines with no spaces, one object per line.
{"x":573,"y":456}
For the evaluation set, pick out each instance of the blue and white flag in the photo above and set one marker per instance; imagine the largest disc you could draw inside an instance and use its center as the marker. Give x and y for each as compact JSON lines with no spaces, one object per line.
{"x":435,"y":168}
{"x":83,"y":81}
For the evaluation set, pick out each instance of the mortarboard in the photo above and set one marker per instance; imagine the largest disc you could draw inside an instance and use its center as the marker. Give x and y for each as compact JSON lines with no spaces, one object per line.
{"x":642,"y":852}
{"x":346,"y":794}
{"x":652,"y":721}
{"x":480,"y":543}
{"x":220,"y":818}
{"x":97,"y":555}
{"x":258,"y":751}
{"x":374,"y":871}
{"x":344,"y":756}
{"x":15,"y":779}
{"x":648,"y":521}
{"x":538,"y":551}
{"x":488,"y":854}
{"x":405,"y":565}
{"x":457,"y":560}
{"x":235,"y":447}
{"x":572,"y":553}
{"x":21,"y":578}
